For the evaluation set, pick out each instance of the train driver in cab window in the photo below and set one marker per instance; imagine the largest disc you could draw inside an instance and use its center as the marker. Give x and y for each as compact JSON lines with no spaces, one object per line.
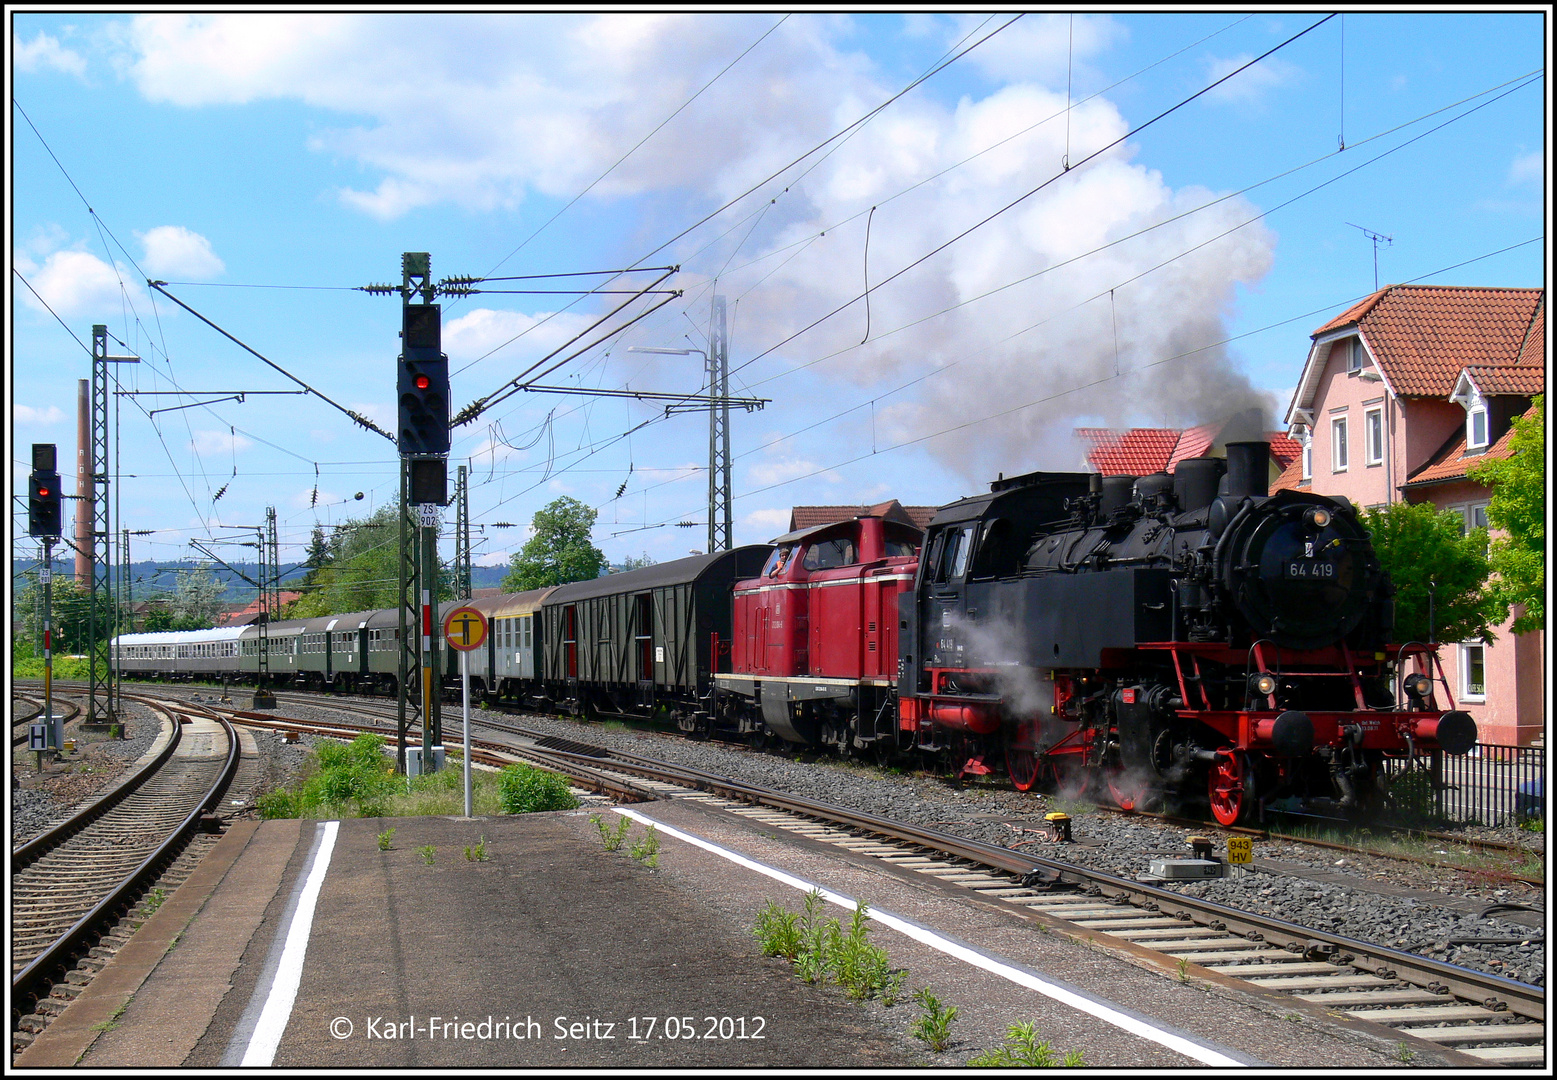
{"x":777,"y":562}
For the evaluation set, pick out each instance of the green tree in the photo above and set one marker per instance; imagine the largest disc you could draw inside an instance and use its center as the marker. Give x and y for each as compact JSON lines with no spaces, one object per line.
{"x":71,"y":611}
{"x":634,"y":562}
{"x":1518,"y":508}
{"x":197,"y":599}
{"x":560,"y":549}
{"x":1425,"y":555}
{"x":362,"y":571}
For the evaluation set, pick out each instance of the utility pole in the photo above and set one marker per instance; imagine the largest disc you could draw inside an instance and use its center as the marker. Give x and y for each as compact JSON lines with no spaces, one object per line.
{"x":462,"y":537}
{"x":719,"y":524}
{"x":100,"y":605}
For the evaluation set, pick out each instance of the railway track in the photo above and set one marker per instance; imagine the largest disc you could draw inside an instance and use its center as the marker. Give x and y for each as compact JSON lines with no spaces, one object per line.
{"x":75,"y":886}
{"x":1474,"y":1019}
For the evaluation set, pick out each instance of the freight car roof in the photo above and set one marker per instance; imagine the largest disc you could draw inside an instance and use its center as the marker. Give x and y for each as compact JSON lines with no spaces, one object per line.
{"x":658,"y":576}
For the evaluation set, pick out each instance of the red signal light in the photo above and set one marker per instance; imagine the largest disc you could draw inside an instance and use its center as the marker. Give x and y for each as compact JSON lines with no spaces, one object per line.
{"x":43,"y":493}
{"x":423,"y":382}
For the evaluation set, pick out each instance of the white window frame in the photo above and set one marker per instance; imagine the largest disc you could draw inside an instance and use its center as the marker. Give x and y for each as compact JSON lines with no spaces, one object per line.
{"x":1339,"y":456}
{"x":1373,"y":450}
{"x":1476,"y":412}
{"x":1356,"y":356}
{"x":1466,"y":694}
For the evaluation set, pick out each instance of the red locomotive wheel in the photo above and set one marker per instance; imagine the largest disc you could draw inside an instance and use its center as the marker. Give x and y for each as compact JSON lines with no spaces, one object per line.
{"x":1022,"y":754}
{"x":1231,"y":787}
{"x":1128,"y":792}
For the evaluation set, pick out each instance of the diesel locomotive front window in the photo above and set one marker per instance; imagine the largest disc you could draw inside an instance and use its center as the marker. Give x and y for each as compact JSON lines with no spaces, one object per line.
{"x":900,"y":548}
{"x":777,"y":561}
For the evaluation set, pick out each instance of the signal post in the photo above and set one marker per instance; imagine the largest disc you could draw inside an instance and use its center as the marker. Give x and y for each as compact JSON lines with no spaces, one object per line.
{"x":422,"y":389}
{"x":43,"y":521}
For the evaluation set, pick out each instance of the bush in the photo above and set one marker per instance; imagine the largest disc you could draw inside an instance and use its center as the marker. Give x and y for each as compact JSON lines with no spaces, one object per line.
{"x":528,"y":790}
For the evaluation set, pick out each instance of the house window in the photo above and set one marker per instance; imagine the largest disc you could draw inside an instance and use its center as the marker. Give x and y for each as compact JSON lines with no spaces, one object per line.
{"x":1308,"y":456}
{"x":1473,"y":672}
{"x":1476,"y":428}
{"x":1338,"y":444}
{"x":1356,"y":355}
{"x":1373,"y":427}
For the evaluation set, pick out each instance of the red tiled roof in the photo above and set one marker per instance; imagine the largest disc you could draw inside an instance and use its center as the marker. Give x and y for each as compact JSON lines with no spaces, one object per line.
{"x":1142,"y":451}
{"x":1137,"y":452}
{"x":1285,"y":449}
{"x":1456,"y":463}
{"x":808,"y":517}
{"x":1533,"y":351}
{"x":1509,"y":379}
{"x":227,"y":618}
{"x":1423,"y":336}
{"x":1291,"y":478}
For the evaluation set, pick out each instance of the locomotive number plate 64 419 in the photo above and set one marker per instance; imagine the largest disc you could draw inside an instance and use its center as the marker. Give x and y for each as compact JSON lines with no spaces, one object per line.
{"x":1308,"y":569}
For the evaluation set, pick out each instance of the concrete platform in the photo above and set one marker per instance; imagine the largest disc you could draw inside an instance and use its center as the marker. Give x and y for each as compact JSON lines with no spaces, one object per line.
{"x":556,"y":953}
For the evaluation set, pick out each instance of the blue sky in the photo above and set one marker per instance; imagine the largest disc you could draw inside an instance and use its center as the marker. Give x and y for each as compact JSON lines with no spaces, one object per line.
{"x":1151,"y":283}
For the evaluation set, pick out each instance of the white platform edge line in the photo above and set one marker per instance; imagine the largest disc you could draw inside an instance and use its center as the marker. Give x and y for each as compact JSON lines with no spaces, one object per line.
{"x":924,"y":935}
{"x":273,"y":1018}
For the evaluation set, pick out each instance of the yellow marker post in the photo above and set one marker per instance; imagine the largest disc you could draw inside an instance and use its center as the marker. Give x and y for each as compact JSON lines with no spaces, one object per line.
{"x":1240,"y":850}
{"x":465,"y":629}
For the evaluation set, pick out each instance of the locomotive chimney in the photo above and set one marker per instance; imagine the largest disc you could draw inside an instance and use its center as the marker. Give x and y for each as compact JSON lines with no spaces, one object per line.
{"x":1248,"y":469}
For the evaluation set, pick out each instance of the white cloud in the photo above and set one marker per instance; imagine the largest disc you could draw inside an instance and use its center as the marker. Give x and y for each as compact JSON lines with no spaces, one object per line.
{"x":175,"y":251}
{"x":1251,"y":86}
{"x":1527,"y":169}
{"x":1039,"y":48}
{"x":767,"y":473}
{"x":44,"y":53}
{"x":26,"y":414}
{"x":775,"y":520}
{"x":219,"y":442}
{"x":74,"y":283}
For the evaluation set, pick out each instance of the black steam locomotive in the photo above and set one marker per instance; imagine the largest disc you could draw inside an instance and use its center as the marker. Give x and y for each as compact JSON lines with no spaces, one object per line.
{"x":1165,"y":635}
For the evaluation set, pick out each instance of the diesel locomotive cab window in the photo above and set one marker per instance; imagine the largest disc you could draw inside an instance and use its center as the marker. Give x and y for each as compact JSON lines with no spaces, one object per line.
{"x":830,"y":553}
{"x":777,"y":562}
{"x":899,"y":548}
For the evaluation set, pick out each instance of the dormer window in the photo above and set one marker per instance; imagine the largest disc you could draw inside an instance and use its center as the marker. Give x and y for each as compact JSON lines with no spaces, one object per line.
{"x":1356,"y":355}
{"x":1476,"y":427}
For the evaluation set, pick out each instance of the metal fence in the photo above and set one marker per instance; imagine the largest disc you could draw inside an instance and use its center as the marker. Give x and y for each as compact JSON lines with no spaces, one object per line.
{"x":1492,"y":785}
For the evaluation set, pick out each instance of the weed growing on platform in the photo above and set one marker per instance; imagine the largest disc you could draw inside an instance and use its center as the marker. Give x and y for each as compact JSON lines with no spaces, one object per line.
{"x":778,"y":932}
{"x":386,"y":839}
{"x":1023,"y":1051}
{"x":933,"y":1028}
{"x":152,"y":902}
{"x":647,"y":850}
{"x":612,"y":838}
{"x":822,"y":951}
{"x":1404,"y":1054}
{"x":526,"y":790}
{"x":477,"y":852}
{"x":427,"y":852}
{"x":1183,"y":970}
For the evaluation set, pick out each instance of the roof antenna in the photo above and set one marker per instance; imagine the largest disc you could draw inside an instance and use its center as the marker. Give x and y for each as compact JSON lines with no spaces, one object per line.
{"x":1375,"y":237}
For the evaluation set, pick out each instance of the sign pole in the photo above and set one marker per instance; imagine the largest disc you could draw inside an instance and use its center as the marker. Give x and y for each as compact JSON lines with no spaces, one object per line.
{"x":465,"y":695}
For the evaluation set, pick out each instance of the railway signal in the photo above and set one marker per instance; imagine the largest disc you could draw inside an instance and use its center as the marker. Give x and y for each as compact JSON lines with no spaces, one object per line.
{"x":43,"y":499}
{"x":423,"y":383}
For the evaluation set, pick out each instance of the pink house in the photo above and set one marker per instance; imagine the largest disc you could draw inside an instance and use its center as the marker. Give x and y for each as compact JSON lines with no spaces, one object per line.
{"x":1400,"y":396}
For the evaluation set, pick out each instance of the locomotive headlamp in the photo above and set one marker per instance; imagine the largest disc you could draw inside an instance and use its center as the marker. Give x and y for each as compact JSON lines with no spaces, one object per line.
{"x":1317,"y":517}
{"x":1262,"y":683}
{"x":1418,"y":685}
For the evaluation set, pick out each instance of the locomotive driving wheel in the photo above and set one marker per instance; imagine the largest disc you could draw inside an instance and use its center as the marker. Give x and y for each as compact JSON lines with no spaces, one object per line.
{"x":1230,"y":786}
{"x":1022,"y":754}
{"x":1129,"y":791}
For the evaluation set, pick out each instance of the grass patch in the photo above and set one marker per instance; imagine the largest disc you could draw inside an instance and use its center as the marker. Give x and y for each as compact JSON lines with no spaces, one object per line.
{"x":1022,"y":1050}
{"x":357,"y":779}
{"x":477,"y":852}
{"x":428,"y":852}
{"x":527,"y":790}
{"x":609,"y":837}
{"x":822,"y":951}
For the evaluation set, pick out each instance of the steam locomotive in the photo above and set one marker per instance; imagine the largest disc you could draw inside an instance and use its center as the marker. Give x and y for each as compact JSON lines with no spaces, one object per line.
{"x":1165,"y":635}
{"x":1161,"y":638}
